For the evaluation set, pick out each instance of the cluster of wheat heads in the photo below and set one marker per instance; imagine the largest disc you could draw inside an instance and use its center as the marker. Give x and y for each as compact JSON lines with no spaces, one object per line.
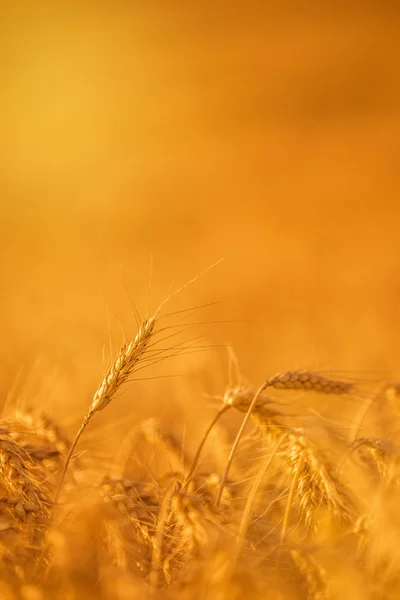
{"x":297,"y":511}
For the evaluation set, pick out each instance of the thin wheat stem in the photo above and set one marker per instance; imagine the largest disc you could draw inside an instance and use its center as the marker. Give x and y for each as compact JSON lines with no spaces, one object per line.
{"x":196,"y":457}
{"x":236,"y":442}
{"x":71,"y":450}
{"x":244,"y":522}
{"x":289,"y":503}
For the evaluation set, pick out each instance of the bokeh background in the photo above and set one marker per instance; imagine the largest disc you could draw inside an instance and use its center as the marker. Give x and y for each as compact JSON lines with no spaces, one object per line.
{"x":266,"y":133}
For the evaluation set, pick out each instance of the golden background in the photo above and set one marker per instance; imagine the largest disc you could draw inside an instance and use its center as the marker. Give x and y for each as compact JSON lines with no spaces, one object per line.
{"x":264,"y":133}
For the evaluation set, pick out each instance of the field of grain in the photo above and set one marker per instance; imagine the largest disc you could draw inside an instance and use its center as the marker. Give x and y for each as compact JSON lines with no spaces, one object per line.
{"x":199,"y":258}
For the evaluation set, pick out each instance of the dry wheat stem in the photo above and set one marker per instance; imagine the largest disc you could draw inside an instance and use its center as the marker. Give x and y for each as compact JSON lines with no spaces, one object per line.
{"x":237,"y":440}
{"x":365,"y":409}
{"x":196,"y":457}
{"x":244,"y":522}
{"x":69,"y":455}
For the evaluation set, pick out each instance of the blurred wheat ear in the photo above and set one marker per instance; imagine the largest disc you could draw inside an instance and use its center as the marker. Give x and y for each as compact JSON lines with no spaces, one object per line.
{"x":124,"y":364}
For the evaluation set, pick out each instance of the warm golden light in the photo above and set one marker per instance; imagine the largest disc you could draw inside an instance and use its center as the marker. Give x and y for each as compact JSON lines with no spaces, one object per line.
{"x":171,"y":134}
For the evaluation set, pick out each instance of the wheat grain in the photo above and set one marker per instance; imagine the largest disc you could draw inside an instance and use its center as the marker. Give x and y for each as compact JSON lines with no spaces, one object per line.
{"x":122,"y":367}
{"x":207,"y":432}
{"x":152,"y":430}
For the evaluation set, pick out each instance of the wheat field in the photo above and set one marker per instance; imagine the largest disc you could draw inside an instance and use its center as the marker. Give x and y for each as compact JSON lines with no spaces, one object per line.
{"x":199,"y":258}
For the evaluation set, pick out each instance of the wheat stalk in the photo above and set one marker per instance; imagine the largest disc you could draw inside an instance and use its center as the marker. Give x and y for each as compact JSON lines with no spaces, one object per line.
{"x":123,"y":365}
{"x":239,"y":434}
{"x":196,"y":457}
{"x":245,"y":518}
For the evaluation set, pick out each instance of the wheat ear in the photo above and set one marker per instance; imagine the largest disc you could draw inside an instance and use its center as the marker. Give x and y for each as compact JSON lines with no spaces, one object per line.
{"x":123,"y":365}
{"x":305,"y":380}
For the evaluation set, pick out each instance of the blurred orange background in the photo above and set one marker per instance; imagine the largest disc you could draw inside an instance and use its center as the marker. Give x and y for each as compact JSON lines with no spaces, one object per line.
{"x":265,"y":133}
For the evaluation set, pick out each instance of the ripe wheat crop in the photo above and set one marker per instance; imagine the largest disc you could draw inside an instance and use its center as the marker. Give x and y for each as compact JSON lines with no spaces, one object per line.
{"x":300,"y":509}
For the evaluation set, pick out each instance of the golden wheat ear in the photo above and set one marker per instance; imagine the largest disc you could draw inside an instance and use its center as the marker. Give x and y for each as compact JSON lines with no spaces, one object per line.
{"x":308,"y":381}
{"x":125,"y":362}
